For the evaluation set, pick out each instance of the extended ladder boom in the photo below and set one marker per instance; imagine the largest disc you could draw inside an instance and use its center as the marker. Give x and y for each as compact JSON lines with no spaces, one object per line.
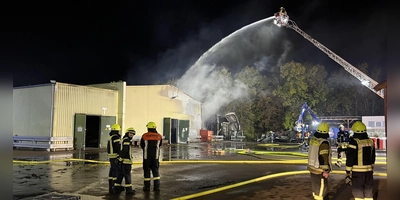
{"x":283,"y":20}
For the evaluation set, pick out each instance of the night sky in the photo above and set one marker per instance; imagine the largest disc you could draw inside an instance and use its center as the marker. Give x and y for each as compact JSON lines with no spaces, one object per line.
{"x":141,"y":42}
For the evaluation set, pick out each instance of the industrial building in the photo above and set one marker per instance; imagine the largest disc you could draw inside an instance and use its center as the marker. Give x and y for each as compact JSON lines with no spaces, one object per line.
{"x":67,"y":116}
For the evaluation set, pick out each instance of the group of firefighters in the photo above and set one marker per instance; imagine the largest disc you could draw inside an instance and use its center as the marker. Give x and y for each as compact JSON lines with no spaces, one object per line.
{"x":120,"y":157}
{"x":359,"y":149}
{"x":360,"y":160}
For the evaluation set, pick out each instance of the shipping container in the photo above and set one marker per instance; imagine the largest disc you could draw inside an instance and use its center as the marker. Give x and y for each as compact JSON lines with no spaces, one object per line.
{"x":33,"y":102}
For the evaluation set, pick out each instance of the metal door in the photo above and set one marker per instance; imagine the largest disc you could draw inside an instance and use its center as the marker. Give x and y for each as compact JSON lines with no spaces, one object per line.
{"x":183,"y":127}
{"x":167,"y":129}
{"x":80,"y":131}
{"x":174,"y":131}
{"x":105,"y":127}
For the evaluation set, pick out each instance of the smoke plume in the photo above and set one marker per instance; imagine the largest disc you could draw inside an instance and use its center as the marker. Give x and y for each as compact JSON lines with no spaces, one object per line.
{"x":260,"y":44}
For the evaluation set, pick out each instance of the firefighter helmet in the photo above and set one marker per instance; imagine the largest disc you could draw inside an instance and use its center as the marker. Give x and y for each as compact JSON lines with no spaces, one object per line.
{"x":151,"y":125}
{"x":131,"y":129}
{"x":115,"y":127}
{"x":359,"y":127}
{"x":323,"y":127}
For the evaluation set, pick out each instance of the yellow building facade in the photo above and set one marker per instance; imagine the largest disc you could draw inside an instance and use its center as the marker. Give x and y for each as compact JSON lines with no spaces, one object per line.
{"x":67,"y":116}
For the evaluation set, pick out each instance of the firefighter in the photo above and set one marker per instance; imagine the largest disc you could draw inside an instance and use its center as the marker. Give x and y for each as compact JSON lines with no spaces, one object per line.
{"x":319,"y":160}
{"x":360,"y":163}
{"x":151,"y":143}
{"x":113,"y":149}
{"x":124,"y":162}
{"x":282,"y":11}
{"x":342,"y":140}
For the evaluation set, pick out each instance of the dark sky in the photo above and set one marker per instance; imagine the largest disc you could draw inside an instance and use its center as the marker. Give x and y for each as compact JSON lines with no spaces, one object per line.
{"x":143,"y":41}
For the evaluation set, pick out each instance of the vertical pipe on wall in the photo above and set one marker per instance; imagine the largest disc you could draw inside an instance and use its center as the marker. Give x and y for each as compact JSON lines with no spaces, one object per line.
{"x":123,"y":91}
{"x":53,"y":89}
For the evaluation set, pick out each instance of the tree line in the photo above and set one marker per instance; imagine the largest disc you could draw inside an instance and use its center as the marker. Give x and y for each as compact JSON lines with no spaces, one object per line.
{"x":272,"y":101}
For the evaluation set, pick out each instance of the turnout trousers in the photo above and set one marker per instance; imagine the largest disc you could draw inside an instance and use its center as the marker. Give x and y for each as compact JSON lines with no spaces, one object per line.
{"x":112,"y":174}
{"x":151,"y":166}
{"x":363,"y":183}
{"x":319,"y":186}
{"x":341,"y":149}
{"x":124,"y":173}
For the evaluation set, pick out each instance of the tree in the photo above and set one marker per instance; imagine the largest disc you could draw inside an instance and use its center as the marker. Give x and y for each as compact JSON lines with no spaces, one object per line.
{"x":300,"y":83}
{"x":341,"y":99}
{"x":268,"y":113}
{"x":370,"y":103}
{"x":254,"y":82}
{"x":349,"y":97}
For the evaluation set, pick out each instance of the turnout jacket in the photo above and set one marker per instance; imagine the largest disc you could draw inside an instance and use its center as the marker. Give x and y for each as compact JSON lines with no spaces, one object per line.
{"x":360,"y":154}
{"x":319,"y":156}
{"x":113,"y":144}
{"x":150,"y":143}
{"x":342,"y":136}
{"x":126,"y":150}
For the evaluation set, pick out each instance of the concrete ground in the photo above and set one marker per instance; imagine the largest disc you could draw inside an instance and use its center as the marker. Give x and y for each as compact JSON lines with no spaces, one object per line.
{"x":178,"y":180}
{"x":295,"y":187}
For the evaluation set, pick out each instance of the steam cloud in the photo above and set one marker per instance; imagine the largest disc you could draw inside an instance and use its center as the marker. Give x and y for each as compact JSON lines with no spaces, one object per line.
{"x":259,"y":44}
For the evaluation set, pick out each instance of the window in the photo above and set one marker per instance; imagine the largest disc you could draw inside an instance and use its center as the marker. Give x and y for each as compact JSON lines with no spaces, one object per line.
{"x":371,"y":124}
{"x":378,"y":124}
{"x":383,"y":124}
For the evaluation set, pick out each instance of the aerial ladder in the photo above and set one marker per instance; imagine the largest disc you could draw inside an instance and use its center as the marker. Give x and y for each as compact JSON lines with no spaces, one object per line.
{"x":300,"y":127}
{"x":282,"y":20}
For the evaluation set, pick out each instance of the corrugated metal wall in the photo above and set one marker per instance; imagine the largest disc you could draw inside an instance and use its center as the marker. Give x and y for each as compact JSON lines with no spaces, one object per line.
{"x":71,"y":99}
{"x":32,"y":111}
{"x":153,"y":103}
{"x":120,"y":86}
{"x":136,"y":109}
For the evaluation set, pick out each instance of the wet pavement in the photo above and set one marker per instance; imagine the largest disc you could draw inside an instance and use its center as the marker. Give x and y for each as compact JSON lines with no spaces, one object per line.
{"x":90,"y":179}
{"x":295,"y":187}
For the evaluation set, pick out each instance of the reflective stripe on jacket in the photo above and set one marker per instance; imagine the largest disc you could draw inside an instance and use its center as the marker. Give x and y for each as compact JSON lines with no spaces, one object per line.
{"x":360,"y":155}
{"x":319,"y":156}
{"x":114,"y":145}
{"x":150,"y":143}
{"x":126,"y":151}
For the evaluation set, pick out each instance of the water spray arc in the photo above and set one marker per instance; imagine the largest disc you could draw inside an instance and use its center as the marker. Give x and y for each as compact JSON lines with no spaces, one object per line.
{"x":255,"y":45}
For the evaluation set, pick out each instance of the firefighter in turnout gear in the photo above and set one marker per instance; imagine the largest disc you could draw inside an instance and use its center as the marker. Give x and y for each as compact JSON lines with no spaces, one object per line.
{"x":124,"y":162}
{"x":113,"y":148}
{"x":360,"y":162}
{"x":319,"y":160}
{"x":151,"y":143}
{"x":342,"y":141}
{"x":282,"y":11}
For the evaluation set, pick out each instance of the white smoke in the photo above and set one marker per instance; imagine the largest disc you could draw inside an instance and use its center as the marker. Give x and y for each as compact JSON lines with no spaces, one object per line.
{"x":211,"y":85}
{"x":259,"y":44}
{"x":287,"y":46}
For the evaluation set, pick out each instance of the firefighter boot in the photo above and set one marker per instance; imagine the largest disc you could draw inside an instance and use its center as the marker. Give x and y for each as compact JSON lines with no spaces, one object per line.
{"x":129,"y":190}
{"x":156,"y":185}
{"x":110,"y":185}
{"x":146,"y":186}
{"x":118,"y":189}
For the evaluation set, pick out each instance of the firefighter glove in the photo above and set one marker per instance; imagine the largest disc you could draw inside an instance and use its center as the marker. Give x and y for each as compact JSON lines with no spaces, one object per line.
{"x":118,"y":161}
{"x":347,"y":180}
